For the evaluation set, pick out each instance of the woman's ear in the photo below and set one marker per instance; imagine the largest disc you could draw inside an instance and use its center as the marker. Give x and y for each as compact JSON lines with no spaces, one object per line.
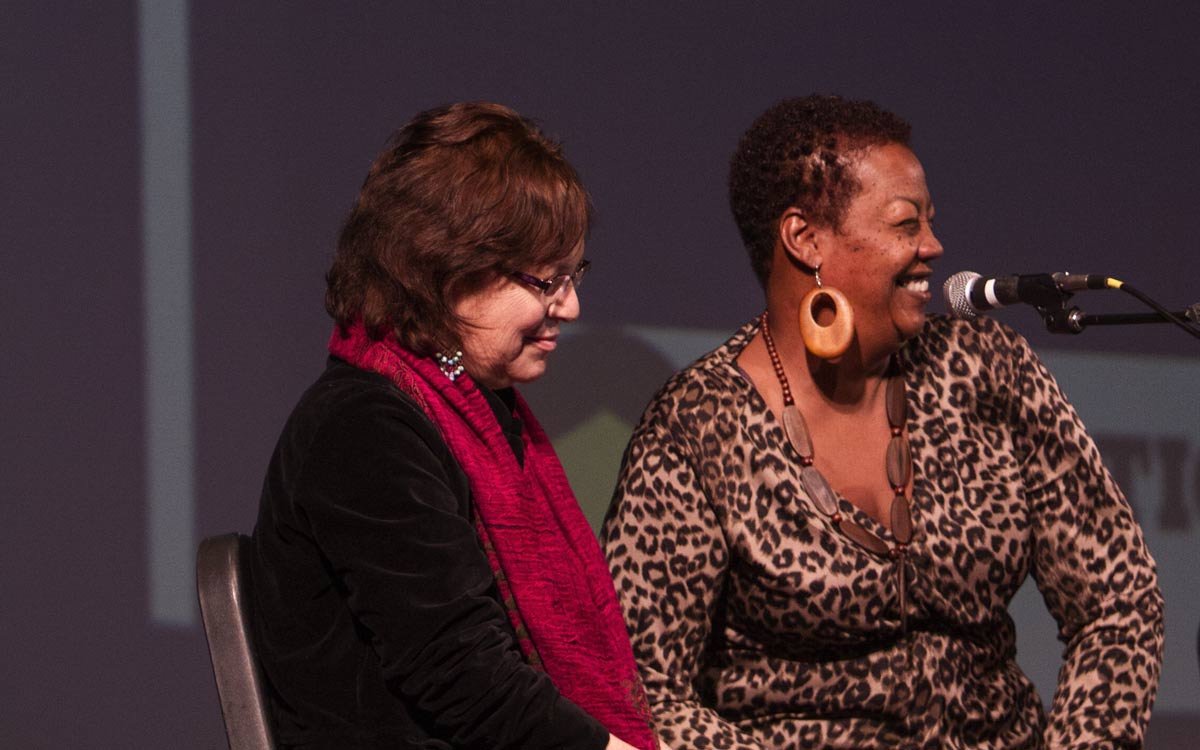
{"x":798,"y":239}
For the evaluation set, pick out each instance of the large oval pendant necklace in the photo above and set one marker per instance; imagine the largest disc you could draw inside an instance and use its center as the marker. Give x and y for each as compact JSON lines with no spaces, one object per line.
{"x":899,"y":473}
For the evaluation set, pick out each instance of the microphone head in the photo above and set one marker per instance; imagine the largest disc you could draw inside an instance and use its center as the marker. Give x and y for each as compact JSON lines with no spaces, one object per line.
{"x":956,"y":290}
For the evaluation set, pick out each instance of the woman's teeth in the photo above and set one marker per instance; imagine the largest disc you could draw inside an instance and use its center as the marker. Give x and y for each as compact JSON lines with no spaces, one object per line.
{"x":919,"y":286}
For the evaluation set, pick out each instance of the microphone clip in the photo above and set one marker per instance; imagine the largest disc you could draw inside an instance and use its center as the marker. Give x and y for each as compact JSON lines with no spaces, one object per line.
{"x":1052,"y":305}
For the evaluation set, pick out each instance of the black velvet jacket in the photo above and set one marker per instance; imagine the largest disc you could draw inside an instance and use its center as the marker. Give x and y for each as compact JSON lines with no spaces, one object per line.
{"x":377,"y":616}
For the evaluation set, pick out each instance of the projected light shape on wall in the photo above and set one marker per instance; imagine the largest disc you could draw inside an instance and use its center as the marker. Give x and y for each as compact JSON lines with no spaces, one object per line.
{"x":167,"y":308}
{"x":596,"y":386}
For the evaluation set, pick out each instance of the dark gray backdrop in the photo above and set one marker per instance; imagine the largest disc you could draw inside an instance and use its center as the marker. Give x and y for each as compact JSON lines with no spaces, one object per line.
{"x":1053,"y":139}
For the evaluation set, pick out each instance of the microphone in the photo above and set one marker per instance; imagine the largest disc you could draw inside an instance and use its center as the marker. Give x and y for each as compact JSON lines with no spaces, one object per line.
{"x":968,"y":294}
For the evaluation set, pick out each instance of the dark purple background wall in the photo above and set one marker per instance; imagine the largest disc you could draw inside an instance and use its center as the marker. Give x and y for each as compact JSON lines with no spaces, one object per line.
{"x":1053,"y":140}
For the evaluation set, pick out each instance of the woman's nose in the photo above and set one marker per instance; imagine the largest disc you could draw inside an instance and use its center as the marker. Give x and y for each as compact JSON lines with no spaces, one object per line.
{"x":565,"y":306}
{"x":930,"y":246}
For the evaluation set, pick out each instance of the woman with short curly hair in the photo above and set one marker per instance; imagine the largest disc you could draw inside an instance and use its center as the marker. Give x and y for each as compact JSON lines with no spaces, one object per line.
{"x":820,"y":525}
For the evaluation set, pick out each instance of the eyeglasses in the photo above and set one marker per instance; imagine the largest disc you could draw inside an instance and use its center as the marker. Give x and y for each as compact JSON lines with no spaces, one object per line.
{"x":552,"y":286}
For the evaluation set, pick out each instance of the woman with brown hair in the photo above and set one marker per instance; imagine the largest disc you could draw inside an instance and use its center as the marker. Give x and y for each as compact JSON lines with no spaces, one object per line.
{"x":422,"y":576}
{"x":820,"y":525}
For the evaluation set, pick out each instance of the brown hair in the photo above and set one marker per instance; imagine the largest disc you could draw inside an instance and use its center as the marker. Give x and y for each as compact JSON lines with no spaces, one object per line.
{"x":794,"y":155}
{"x":460,"y":195}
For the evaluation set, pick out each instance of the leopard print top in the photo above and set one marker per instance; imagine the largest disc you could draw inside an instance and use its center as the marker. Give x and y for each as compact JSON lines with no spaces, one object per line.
{"x":757,"y":625}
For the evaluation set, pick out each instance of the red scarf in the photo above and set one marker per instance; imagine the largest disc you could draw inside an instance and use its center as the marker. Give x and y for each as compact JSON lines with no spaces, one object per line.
{"x":551,"y":573}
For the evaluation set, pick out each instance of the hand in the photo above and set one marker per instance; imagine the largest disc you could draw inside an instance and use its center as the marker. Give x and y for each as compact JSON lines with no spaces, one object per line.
{"x":616,"y":743}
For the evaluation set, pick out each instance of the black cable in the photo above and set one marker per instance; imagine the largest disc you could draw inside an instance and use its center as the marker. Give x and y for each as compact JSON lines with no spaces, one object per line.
{"x":1164,"y":312}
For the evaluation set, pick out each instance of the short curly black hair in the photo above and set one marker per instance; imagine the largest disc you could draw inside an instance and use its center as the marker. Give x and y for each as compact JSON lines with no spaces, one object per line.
{"x":795,"y":154}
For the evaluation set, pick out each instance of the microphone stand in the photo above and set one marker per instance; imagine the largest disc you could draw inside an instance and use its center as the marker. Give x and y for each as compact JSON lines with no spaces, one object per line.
{"x":1061,"y":319}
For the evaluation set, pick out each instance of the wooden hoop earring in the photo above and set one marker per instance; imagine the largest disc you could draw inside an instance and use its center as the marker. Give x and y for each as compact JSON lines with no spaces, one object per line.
{"x":831,"y":341}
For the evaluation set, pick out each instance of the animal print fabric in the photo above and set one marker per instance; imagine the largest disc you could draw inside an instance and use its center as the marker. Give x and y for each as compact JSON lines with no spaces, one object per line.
{"x":757,"y":625}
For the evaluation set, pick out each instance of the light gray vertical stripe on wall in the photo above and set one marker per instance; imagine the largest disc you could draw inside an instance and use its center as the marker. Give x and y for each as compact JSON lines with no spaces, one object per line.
{"x":167,"y":307}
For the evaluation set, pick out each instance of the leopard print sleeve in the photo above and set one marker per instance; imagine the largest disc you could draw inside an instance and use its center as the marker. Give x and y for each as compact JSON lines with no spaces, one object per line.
{"x":669,"y":559}
{"x":1090,"y":564}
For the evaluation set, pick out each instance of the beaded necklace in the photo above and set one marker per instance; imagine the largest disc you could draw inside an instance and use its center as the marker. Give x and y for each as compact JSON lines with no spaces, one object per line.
{"x":898,"y":464}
